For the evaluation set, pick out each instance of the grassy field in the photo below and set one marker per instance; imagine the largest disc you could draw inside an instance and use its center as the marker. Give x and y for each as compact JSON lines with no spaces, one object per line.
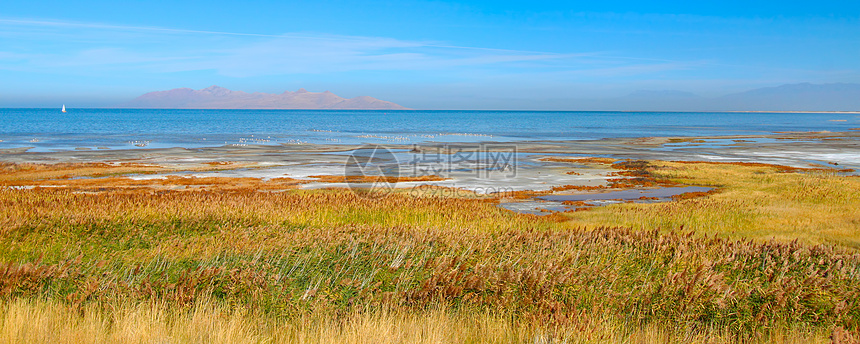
{"x":110,"y":261}
{"x":757,"y":201}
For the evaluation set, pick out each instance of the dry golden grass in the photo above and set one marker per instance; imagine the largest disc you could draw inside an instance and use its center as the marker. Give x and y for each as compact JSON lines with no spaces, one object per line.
{"x":753,"y":200}
{"x":234,"y":264}
{"x":330,"y":251}
{"x":778,"y":168}
{"x":102,"y":184}
{"x":36,"y":322}
{"x":11,"y":174}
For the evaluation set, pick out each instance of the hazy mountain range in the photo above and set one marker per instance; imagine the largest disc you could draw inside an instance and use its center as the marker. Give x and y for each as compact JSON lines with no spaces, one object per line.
{"x":796,"y":97}
{"x":216,"y":97}
{"x":790,"y":97}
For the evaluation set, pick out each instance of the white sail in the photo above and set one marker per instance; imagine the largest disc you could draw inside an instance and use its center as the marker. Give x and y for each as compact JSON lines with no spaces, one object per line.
{"x":64,"y":107}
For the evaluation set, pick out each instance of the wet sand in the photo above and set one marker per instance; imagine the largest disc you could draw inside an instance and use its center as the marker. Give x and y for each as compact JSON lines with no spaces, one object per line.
{"x":837,"y":150}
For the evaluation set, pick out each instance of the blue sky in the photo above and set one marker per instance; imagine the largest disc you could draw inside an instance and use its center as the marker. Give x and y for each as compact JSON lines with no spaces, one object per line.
{"x":421,"y":54}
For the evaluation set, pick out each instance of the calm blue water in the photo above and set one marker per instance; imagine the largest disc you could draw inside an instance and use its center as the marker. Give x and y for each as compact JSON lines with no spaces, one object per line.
{"x":49,"y":129}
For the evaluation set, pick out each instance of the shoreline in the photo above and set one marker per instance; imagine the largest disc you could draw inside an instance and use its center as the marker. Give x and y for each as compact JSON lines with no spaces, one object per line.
{"x":721,"y":148}
{"x":535,"y":166}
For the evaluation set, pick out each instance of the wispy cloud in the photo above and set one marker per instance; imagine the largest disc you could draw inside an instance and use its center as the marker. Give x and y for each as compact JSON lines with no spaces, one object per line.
{"x":105,"y":47}
{"x":288,"y":55}
{"x":80,"y":25}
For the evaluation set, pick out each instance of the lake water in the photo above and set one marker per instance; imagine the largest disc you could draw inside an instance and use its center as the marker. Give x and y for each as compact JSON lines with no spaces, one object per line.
{"x":50,"y":129}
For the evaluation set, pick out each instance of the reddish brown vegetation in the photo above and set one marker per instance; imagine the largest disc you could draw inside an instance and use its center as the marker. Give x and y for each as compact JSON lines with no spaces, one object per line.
{"x":577,"y":203}
{"x":578,"y":188}
{"x":689,"y":195}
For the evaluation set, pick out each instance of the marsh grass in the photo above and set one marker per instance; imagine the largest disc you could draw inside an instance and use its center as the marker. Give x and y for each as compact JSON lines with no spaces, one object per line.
{"x":302,"y":266}
{"x":29,"y":321}
{"x":752,"y":200}
{"x":10,"y":173}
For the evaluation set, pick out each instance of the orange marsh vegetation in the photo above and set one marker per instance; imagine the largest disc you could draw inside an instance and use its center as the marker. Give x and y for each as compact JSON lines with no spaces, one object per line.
{"x":328,"y":259}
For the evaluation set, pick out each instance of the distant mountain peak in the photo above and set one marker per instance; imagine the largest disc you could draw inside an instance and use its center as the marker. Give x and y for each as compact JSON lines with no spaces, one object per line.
{"x":797,"y":97}
{"x":662,"y":93}
{"x":216,"y":90}
{"x":787,"y":97}
{"x":808,"y":87}
{"x":216,"y":97}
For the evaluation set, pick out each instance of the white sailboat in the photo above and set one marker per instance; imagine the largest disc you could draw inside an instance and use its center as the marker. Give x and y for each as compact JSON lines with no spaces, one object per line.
{"x":64,"y":107}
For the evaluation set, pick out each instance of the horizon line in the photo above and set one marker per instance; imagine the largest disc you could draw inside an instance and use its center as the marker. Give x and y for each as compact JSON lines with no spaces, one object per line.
{"x":469,"y":110}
